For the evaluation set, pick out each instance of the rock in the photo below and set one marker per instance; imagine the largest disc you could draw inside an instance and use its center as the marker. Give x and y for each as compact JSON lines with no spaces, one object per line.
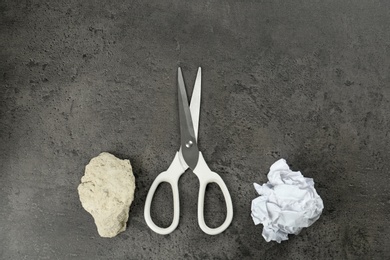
{"x":106,"y":191}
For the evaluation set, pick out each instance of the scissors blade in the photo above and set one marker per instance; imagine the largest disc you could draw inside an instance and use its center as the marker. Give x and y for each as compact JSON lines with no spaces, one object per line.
{"x":189,"y":145}
{"x":195,"y":102}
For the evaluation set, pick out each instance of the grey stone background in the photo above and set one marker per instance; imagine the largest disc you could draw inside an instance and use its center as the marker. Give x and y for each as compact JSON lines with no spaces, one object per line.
{"x":304,"y":80}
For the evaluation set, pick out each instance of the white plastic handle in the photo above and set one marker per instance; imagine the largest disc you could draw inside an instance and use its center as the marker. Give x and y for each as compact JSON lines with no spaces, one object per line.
{"x":206,"y":176}
{"x":170,"y":176}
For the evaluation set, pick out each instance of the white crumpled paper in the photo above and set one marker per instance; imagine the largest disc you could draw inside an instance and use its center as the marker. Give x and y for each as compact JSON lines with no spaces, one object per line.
{"x":288,"y":203}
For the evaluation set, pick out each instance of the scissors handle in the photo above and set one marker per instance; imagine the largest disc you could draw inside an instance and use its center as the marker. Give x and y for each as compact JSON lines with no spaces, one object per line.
{"x":170,"y":176}
{"x":206,"y":176}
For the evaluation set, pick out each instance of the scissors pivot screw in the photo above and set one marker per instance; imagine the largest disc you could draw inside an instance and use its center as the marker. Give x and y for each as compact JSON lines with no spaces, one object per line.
{"x":189,"y":144}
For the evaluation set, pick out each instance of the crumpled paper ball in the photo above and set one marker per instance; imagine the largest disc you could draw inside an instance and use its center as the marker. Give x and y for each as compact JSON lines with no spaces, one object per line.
{"x":288,"y":203}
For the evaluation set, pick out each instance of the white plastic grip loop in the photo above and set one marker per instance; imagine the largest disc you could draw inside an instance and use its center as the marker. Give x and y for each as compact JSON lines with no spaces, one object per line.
{"x":206,"y":176}
{"x":170,"y":176}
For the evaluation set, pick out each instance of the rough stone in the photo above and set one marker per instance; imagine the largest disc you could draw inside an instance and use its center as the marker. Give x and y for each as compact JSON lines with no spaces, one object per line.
{"x":107,"y":191}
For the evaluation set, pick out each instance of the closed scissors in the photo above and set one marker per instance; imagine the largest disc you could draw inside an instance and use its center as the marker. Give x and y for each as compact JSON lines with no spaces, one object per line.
{"x":189,"y":156}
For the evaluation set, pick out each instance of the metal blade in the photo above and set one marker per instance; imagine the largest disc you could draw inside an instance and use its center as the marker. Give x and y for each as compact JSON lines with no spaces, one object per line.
{"x":195,"y":102}
{"x":189,"y":146}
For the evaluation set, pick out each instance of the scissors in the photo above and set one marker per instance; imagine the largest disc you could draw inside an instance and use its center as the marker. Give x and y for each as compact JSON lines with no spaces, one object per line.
{"x":189,"y":156}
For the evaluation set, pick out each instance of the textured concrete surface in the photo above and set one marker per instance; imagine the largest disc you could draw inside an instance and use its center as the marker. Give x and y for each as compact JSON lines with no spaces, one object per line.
{"x":305,"y":80}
